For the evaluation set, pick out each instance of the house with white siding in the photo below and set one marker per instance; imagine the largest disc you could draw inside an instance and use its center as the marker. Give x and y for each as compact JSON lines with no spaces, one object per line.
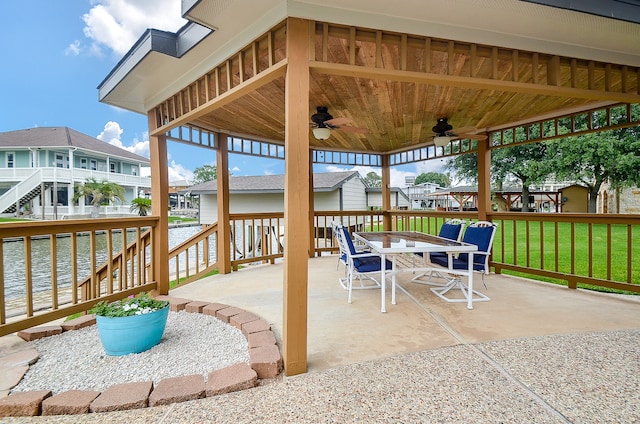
{"x":40,"y":167}
{"x":342,"y":191}
{"x":399,"y":199}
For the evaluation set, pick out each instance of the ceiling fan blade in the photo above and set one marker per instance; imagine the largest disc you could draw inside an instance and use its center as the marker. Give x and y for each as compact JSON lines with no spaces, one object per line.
{"x":336,"y":122}
{"x":356,"y":130}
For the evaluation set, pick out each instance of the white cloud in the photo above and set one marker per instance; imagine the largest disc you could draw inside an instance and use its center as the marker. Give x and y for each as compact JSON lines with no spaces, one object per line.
{"x":73,"y":49}
{"x":178,"y":172}
{"x":430,"y":166}
{"x":112,"y":134}
{"x":117,"y":24}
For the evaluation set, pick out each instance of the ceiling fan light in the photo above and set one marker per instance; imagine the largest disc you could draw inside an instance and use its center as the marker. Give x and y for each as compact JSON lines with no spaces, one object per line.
{"x":441,"y":141}
{"x":321,"y":133}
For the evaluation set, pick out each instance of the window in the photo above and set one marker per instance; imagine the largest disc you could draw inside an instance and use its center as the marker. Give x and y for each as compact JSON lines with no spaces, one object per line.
{"x":59,"y":162}
{"x":83,"y":163}
{"x":93,"y":165}
{"x":35,"y":159}
{"x":134,"y":170}
{"x":11,"y":160}
{"x":112,"y":167}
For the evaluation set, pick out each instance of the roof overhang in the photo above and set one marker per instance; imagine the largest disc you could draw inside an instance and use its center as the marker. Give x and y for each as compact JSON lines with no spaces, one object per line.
{"x":160,"y":63}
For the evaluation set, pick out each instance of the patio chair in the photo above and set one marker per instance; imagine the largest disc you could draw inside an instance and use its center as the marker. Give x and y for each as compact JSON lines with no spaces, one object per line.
{"x":365,"y":265}
{"x":336,"y":228}
{"x":451,"y":229}
{"x":481,"y":234}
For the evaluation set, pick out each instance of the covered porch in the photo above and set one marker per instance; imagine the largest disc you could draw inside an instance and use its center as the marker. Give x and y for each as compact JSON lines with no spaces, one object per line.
{"x":247,"y":80}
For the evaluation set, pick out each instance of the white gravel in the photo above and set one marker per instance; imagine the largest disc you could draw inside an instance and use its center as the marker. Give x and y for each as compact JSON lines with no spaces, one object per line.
{"x":192,"y":344}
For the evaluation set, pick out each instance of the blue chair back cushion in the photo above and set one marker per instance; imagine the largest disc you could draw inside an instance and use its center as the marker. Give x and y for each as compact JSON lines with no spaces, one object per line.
{"x":450,"y":231}
{"x":481,"y":237}
{"x":347,"y":239}
{"x":366,"y":264}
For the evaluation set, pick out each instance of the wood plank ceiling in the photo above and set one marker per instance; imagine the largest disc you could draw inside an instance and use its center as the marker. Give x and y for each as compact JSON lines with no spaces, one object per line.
{"x":396,"y":86}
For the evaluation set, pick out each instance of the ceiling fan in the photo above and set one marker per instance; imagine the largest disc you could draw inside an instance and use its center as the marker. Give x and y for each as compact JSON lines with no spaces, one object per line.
{"x":444,"y":133}
{"x":322,"y":123}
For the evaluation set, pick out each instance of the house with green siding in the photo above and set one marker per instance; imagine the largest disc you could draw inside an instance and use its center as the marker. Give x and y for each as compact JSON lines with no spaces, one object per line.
{"x":40,"y":167}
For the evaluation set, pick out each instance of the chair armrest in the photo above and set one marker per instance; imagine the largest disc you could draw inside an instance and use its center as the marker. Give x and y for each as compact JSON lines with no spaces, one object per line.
{"x":364,"y":255}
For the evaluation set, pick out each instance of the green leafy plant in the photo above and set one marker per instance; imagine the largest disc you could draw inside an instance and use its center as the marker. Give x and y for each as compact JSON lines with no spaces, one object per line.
{"x":132,"y":305}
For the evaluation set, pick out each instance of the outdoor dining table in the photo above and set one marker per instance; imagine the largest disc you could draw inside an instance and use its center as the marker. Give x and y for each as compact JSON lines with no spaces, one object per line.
{"x":394,"y":243}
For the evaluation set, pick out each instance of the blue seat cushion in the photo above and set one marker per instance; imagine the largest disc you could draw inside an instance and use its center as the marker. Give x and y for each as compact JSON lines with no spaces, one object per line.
{"x":370,"y":264}
{"x":437,"y":255}
{"x":459,"y":263}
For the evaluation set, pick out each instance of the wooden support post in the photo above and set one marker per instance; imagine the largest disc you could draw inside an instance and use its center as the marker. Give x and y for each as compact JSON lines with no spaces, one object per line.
{"x":223,"y":254}
{"x":386,"y":192}
{"x":313,"y":231}
{"x":296,"y":198}
{"x":484,"y":179}
{"x":159,"y":207}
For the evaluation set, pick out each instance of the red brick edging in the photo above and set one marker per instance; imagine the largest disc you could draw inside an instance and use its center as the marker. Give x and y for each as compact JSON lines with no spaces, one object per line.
{"x":265,"y":362}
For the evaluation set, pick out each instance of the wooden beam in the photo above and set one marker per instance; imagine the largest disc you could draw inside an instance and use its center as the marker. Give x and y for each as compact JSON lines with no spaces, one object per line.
{"x":296,"y":199}
{"x":469,"y":82}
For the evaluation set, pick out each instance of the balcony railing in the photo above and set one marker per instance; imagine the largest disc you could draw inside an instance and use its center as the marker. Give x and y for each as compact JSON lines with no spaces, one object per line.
{"x":575,"y":249}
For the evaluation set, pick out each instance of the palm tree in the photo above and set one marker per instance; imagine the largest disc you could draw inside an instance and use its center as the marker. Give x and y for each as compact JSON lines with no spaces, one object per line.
{"x":99,"y":192}
{"x":142,"y":205}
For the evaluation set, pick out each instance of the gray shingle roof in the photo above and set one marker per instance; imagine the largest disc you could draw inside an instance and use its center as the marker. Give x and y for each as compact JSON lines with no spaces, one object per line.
{"x":326,"y":181}
{"x":52,"y":137}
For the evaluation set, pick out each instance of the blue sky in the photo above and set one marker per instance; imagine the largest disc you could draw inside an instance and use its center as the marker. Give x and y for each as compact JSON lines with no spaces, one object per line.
{"x":56,"y":53}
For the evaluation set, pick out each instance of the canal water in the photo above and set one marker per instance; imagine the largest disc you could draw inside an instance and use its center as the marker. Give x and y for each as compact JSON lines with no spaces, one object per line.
{"x":14,"y":267}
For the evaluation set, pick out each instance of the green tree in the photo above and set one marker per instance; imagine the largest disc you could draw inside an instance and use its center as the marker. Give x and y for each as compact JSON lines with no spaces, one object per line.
{"x":528,"y":163}
{"x":593,"y":159}
{"x":142,"y":205}
{"x":433,"y":177}
{"x":373,"y":180}
{"x":204,"y":173}
{"x":98,"y":193}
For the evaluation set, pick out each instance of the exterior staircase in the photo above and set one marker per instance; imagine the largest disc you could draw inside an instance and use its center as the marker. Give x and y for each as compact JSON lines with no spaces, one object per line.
{"x":23,"y":192}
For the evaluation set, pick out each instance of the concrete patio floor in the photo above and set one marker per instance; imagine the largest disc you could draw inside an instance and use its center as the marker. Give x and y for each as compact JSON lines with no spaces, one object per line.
{"x":535,"y":352}
{"x":340,"y":333}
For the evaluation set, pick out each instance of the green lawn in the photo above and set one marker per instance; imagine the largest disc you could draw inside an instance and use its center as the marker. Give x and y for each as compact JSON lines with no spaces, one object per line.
{"x":543,"y":255}
{"x":12,"y":220}
{"x":173,"y":219}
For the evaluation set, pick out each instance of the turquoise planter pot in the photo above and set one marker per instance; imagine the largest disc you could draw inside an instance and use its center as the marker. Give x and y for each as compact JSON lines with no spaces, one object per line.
{"x":132,"y":334}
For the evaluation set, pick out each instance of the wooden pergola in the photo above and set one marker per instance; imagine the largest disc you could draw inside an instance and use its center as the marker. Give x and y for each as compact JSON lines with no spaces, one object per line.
{"x":246,"y":76}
